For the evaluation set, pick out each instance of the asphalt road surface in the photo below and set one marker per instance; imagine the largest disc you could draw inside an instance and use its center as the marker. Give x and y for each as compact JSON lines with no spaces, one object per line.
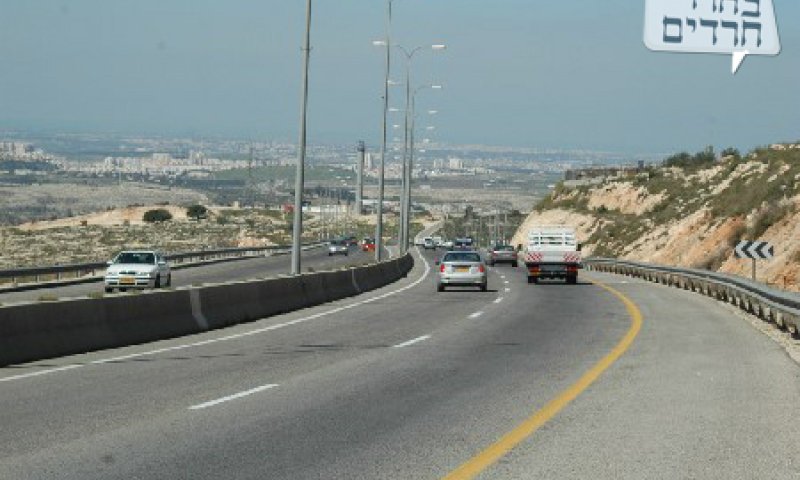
{"x":407,"y":383}
{"x":317,"y":259}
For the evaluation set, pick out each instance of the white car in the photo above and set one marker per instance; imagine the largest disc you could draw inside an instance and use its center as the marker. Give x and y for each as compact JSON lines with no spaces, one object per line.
{"x":137,"y":269}
{"x":428,"y":243}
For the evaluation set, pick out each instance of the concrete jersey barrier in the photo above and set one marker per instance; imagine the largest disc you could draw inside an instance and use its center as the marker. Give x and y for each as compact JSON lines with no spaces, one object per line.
{"x":37,"y":331}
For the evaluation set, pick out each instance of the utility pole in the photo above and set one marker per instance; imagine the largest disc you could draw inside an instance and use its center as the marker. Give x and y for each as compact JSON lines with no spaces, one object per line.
{"x":250,"y":181}
{"x":360,"y":178}
{"x":299,"y":181}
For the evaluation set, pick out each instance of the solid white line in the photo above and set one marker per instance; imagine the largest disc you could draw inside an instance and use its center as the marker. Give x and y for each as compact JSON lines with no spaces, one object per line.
{"x":476,"y":315}
{"x":507,"y":289}
{"x":412,"y":341}
{"x":233,"y":397}
{"x":237,"y":335}
{"x":40,"y":372}
{"x":498,"y":300}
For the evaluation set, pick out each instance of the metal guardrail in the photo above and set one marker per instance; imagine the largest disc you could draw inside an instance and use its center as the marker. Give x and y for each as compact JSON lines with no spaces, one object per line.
{"x":59,"y":272}
{"x":770,"y":304}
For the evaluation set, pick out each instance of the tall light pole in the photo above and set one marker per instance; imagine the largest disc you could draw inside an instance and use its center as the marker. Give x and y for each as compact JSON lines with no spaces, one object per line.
{"x":382,"y":169}
{"x":405,"y":205}
{"x":406,"y":201}
{"x":299,"y":181}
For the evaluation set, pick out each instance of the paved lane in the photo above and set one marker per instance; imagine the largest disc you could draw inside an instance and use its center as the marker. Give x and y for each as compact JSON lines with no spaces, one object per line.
{"x":215,"y":272}
{"x":408,"y":383}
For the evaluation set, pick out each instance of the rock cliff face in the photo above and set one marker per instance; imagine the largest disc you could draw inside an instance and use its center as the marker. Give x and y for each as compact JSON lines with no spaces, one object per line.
{"x":691,"y":215}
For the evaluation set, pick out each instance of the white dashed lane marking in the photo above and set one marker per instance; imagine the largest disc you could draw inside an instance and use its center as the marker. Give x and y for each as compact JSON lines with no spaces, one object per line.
{"x":232,"y":397}
{"x":412,"y":341}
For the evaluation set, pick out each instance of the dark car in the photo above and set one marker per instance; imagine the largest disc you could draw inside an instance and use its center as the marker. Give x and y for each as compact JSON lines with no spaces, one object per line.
{"x":464,"y":243}
{"x":502,"y":254}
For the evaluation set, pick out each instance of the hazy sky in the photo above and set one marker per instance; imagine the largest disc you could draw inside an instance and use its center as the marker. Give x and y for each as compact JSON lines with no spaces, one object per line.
{"x":550,"y":74}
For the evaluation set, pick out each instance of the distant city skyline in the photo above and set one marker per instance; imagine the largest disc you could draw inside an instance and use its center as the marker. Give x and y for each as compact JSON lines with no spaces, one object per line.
{"x":563,"y":75}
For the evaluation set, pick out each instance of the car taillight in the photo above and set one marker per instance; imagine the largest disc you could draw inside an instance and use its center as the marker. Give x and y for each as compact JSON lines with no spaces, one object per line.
{"x":481,"y":268}
{"x":441,"y":269}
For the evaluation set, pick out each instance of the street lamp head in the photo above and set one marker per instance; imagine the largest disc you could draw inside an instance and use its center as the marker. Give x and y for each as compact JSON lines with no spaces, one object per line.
{"x":430,"y":128}
{"x":379,"y":43}
{"x":438,"y":47}
{"x":433,"y":112}
{"x":436,"y":87}
{"x":392,"y":109}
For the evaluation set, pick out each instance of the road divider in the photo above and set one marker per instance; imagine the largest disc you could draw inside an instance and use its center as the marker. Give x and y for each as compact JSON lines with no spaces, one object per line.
{"x":37,"y":331}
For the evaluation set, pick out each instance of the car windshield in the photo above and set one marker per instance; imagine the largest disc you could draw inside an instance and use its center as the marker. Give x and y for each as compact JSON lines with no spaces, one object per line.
{"x":135,"y":257}
{"x":462,"y":257}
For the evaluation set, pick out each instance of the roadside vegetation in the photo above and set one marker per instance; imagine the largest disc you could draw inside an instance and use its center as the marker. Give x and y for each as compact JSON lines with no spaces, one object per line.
{"x":750,"y":193}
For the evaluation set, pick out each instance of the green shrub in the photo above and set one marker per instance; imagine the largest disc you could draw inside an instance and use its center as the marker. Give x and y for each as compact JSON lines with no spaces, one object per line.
{"x":156,"y":216}
{"x":197,"y":212}
{"x":767,"y":218}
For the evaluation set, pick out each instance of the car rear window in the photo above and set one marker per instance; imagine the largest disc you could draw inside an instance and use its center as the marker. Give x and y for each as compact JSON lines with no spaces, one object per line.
{"x":504,"y":248}
{"x":462,"y":257}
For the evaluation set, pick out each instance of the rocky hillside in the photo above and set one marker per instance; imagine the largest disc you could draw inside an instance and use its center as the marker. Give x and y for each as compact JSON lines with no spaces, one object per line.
{"x":690,"y":212}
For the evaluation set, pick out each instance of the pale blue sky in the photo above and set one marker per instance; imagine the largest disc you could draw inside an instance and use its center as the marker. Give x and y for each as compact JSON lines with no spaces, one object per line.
{"x":550,"y":74}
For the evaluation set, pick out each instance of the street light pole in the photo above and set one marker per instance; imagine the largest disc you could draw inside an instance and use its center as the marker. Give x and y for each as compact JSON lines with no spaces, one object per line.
{"x":403,"y":235}
{"x":382,"y":169}
{"x":405,"y":201}
{"x":299,"y":182}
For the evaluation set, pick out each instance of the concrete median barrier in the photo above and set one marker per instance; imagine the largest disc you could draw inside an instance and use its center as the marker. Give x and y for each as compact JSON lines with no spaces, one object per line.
{"x":37,"y":331}
{"x":44,"y":330}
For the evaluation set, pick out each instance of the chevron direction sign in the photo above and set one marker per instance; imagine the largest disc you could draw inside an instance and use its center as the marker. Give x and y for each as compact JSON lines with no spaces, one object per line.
{"x":754,"y":250}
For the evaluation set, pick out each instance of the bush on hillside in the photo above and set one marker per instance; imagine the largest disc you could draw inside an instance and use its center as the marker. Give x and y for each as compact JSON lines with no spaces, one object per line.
{"x":687,"y":160}
{"x":156,"y":216}
{"x":197,"y":212}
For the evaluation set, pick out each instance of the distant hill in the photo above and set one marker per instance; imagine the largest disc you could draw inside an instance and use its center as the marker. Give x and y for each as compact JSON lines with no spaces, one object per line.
{"x":690,"y":211}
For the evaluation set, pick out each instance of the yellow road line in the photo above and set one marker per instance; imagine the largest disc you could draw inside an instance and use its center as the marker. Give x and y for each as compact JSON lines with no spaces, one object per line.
{"x":500,"y":448}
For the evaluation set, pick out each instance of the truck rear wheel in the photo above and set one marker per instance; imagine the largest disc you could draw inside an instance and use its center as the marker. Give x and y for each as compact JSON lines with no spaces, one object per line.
{"x":572,"y":280}
{"x":533,"y":280}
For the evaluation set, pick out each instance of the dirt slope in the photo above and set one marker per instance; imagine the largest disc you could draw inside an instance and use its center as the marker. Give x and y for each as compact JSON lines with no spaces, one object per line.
{"x":691,"y":215}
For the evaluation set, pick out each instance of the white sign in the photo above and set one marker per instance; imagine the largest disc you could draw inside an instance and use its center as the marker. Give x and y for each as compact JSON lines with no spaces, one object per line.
{"x":736,"y":27}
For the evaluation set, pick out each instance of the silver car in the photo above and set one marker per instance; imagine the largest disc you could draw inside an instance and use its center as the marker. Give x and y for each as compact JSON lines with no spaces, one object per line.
{"x":338,"y":247}
{"x":137,"y":269}
{"x":463,"y":269}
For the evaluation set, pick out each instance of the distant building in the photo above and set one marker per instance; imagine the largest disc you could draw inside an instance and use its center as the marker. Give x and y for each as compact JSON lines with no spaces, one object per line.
{"x":456,"y":164}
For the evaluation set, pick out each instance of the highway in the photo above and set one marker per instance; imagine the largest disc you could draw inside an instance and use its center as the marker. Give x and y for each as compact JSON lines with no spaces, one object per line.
{"x":611,"y":378}
{"x":256,"y":267}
